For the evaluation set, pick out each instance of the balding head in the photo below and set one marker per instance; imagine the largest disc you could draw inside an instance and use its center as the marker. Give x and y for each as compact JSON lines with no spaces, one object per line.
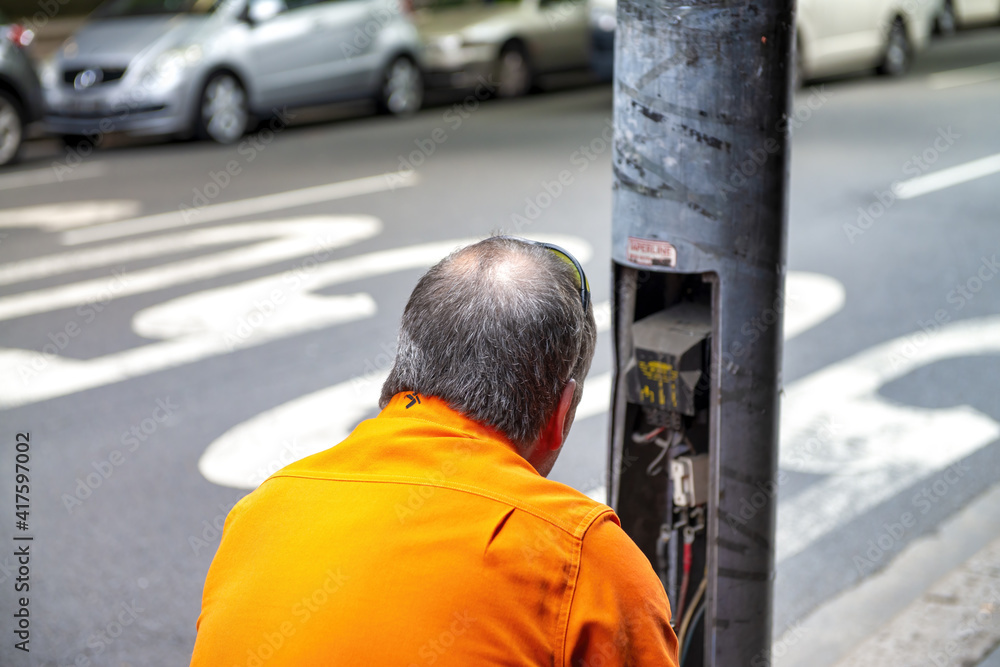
{"x":496,"y":330}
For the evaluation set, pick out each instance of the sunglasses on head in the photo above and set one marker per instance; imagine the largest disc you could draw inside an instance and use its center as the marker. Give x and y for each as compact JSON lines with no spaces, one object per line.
{"x":581,"y":277}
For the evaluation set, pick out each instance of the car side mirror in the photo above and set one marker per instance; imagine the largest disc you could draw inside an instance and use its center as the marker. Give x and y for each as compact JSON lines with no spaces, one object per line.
{"x":260,"y":11}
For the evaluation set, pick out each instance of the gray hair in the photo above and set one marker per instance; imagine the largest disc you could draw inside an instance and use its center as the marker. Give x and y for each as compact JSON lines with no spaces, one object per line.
{"x":496,"y":330}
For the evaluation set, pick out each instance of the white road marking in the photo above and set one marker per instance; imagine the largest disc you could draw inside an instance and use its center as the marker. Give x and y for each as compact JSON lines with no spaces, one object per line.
{"x":946,"y":178}
{"x":246,"y":454}
{"x":810,"y":298}
{"x":49,"y":176}
{"x":58,"y":217}
{"x":29,"y":377}
{"x":242,"y":207}
{"x":278,"y":240}
{"x":221,"y":320}
{"x":964,"y":77}
{"x":872,"y":449}
{"x":109,"y":255}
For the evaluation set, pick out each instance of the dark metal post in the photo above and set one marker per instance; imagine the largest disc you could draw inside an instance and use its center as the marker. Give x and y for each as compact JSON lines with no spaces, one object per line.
{"x":701,"y":101}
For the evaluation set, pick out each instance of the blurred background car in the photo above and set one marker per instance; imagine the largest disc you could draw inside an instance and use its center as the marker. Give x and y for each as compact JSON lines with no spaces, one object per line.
{"x":20,"y":93}
{"x":206,"y":67}
{"x":966,"y":13}
{"x":508,"y":43}
{"x":844,"y":36}
{"x":602,"y":29}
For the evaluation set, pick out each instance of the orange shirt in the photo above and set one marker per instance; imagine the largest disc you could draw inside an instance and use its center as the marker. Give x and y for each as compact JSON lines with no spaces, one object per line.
{"x":426,"y":539}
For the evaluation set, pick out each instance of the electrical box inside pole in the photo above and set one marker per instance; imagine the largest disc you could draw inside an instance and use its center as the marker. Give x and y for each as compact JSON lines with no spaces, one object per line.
{"x":661,"y":429}
{"x":668,"y":361}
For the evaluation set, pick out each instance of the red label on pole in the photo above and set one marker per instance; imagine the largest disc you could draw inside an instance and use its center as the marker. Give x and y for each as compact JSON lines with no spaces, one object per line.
{"x":651,"y":253}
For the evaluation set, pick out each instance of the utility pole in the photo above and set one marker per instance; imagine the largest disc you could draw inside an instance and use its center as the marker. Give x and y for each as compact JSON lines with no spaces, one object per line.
{"x":701,"y":104}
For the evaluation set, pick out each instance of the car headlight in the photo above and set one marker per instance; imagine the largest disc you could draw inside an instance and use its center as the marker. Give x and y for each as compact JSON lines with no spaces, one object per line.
{"x":168,"y":68}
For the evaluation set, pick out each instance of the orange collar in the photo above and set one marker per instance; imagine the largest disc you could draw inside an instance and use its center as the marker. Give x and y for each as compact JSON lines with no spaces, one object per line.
{"x":438,"y":411}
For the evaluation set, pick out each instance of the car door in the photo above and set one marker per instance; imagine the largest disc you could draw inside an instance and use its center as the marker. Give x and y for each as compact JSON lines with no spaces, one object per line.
{"x":564,"y":40}
{"x":976,"y":11}
{"x":842,"y":34}
{"x":289,"y":52}
{"x":351,"y":36}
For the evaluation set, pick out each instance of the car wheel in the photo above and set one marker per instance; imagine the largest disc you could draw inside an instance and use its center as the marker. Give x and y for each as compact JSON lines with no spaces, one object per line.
{"x":223,"y":113}
{"x":898,"y":51}
{"x":513,"y":72}
{"x":11,"y":128}
{"x":945,"y":23}
{"x":402,"y":90}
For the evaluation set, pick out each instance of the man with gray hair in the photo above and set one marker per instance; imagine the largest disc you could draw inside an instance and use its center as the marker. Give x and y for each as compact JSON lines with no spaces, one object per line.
{"x":431,"y":535}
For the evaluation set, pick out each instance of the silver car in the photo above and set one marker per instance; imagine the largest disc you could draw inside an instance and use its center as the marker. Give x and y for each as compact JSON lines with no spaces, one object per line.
{"x":206,"y":67}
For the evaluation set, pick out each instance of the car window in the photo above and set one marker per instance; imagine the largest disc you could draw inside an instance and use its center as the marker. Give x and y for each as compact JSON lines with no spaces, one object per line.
{"x":118,"y":8}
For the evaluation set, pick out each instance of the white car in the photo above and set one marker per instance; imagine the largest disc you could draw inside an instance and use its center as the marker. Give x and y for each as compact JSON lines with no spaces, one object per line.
{"x":512,"y":41}
{"x":844,"y":36}
{"x":965,"y":13}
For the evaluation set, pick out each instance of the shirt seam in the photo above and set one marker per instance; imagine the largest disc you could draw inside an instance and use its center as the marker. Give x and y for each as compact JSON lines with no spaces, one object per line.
{"x":586,"y":524}
{"x":473,"y":490}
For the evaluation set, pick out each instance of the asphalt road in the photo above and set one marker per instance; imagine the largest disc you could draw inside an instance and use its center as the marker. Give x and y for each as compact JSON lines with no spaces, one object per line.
{"x":162,"y":368}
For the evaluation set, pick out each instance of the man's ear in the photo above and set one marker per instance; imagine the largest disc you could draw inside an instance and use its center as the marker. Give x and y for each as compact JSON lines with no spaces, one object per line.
{"x":557,"y":428}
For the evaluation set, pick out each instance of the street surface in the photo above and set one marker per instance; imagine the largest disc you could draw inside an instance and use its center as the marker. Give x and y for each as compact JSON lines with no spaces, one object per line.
{"x":178,"y":321}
